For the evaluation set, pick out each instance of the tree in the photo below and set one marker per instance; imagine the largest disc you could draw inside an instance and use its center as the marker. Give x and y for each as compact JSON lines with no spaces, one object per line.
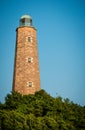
{"x":40,"y":112}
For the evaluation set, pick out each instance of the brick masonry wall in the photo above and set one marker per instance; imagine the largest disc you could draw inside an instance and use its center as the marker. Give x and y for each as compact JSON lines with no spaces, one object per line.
{"x":24,"y":71}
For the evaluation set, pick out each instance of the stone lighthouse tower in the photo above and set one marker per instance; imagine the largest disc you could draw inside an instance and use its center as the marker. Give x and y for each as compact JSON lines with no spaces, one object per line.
{"x":26,"y":78}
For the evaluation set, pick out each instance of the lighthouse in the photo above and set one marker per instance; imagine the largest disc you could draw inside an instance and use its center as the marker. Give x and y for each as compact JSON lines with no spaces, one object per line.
{"x":26,"y":78}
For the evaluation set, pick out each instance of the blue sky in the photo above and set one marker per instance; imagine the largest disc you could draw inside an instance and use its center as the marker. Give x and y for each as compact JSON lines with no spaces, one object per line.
{"x":61,"y":45}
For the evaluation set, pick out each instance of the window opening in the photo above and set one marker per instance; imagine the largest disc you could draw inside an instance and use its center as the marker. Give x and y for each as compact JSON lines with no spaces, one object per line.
{"x":30,"y":84}
{"x":29,"y":60}
{"x":29,"y":39}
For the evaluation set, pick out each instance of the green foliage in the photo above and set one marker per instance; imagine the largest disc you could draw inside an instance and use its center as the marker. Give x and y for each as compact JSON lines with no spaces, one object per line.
{"x":40,"y":112}
{"x":13,"y":101}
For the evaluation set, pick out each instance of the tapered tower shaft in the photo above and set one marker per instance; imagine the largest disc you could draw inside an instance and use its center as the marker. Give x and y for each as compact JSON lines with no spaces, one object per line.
{"x":26,"y":69}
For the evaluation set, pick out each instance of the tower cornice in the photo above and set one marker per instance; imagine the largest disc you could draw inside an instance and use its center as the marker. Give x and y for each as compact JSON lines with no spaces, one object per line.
{"x":26,"y":27}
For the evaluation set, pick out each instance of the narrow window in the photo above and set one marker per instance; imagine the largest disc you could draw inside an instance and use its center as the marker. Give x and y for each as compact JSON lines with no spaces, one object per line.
{"x":29,"y":60}
{"x":30,"y":84}
{"x":29,"y":39}
{"x":23,"y":20}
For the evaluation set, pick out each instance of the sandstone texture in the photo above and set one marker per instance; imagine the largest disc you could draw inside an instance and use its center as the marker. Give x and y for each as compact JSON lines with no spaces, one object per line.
{"x":26,"y":78}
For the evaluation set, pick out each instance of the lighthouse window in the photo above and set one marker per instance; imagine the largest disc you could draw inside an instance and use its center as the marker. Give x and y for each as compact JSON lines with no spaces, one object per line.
{"x":29,"y":60}
{"x":30,"y":84}
{"x":29,"y":39}
{"x":23,"y":20}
